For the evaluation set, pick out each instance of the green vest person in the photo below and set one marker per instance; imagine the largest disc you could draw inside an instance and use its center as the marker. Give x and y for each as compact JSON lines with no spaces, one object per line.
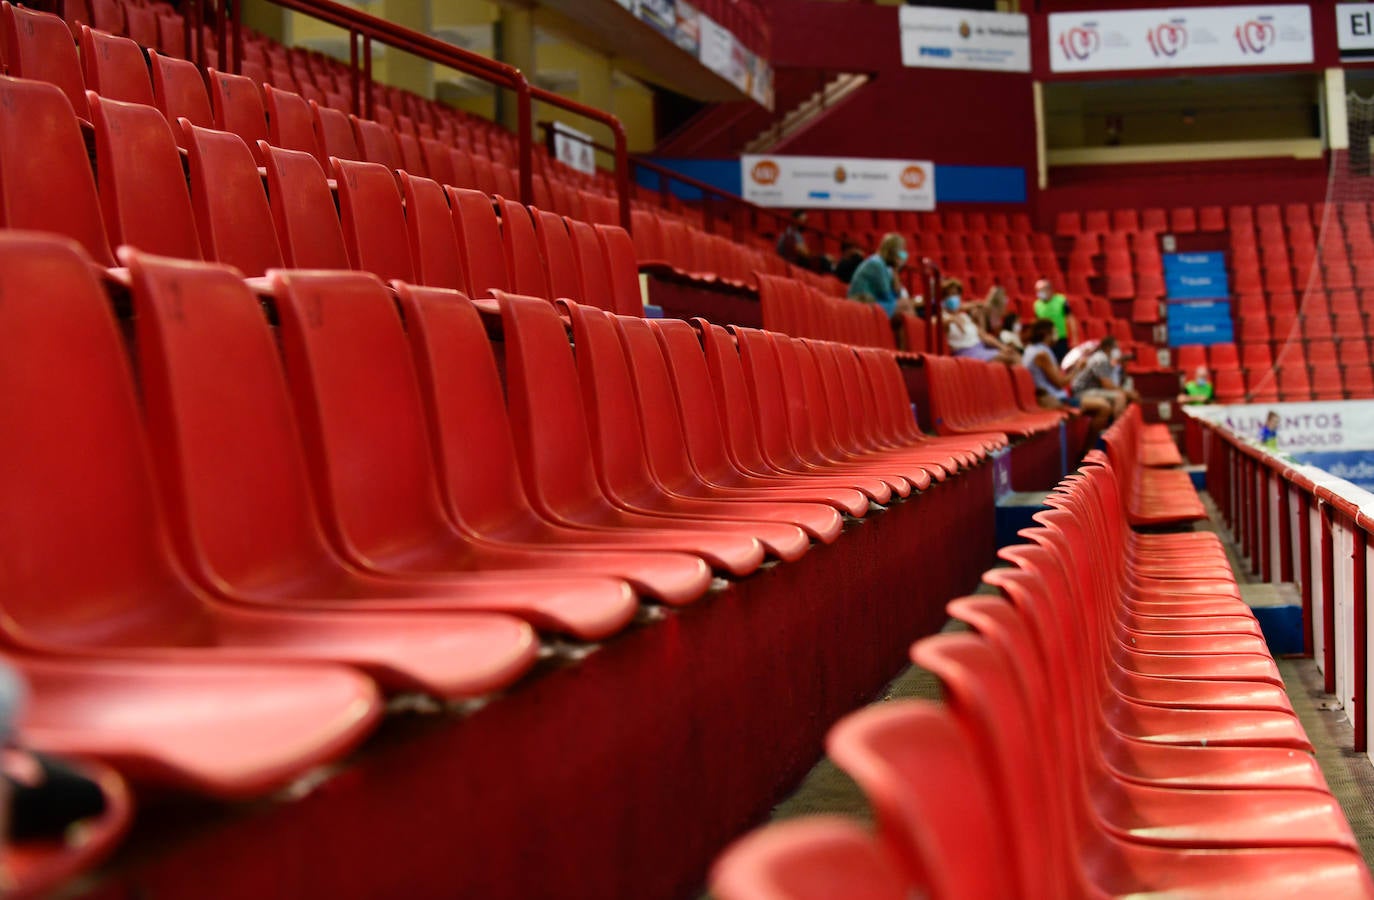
{"x":1055,"y":307}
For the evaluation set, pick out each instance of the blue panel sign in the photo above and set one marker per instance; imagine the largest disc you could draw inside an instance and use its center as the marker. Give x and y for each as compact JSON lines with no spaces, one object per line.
{"x":1197,"y":285}
{"x":1200,"y":322}
{"x":1355,"y":466}
{"x":1194,"y":263}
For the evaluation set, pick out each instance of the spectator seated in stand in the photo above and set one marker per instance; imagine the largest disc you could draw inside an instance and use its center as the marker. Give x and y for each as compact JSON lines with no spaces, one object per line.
{"x":851,"y":255}
{"x":966,"y":336}
{"x":792,"y":242}
{"x":875,"y":279}
{"x":1198,"y":390}
{"x":1100,"y":377}
{"x":991,"y":312}
{"x":1054,"y":306}
{"x":1011,"y":332}
{"x":1052,"y":382}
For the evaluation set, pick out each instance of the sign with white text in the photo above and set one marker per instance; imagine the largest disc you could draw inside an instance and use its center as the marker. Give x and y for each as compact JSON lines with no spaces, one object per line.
{"x":1183,"y":38}
{"x":963,"y":39}
{"x":573,"y":148}
{"x":820,"y":182}
{"x":1355,"y":30}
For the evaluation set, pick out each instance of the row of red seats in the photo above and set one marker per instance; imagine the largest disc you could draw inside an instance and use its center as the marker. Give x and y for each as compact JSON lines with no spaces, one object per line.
{"x":369,"y":500}
{"x":1352,"y":351}
{"x":1252,"y":327}
{"x":846,"y":221}
{"x":1294,"y":382}
{"x":792,"y":307}
{"x":115,"y":68}
{"x":1179,"y":220}
{"x":1113,"y":725}
{"x":1347,"y":302}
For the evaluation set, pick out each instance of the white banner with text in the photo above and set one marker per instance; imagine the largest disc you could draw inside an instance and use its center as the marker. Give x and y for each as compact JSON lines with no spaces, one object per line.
{"x":963,"y":39}
{"x":1196,"y":37}
{"x":821,"y":182}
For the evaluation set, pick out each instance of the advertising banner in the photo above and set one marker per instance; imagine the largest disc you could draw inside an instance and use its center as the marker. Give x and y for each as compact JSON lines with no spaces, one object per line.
{"x":1355,"y":31}
{"x":568,"y":150}
{"x":1194,"y":263}
{"x":1200,"y":322}
{"x":687,"y":33}
{"x":1336,"y":425}
{"x":1195,"y":37}
{"x":819,"y":182}
{"x":1201,"y":285}
{"x":963,"y":39}
{"x":716,"y":45}
{"x":658,"y":13}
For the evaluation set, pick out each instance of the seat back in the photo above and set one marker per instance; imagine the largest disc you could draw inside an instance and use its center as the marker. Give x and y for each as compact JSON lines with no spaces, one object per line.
{"x":307,"y":223}
{"x":46,"y":182}
{"x":812,"y":858}
{"x":41,"y":49}
{"x":223,"y":434}
{"x":179,"y":91}
{"x":466,"y":406}
{"x":80,"y":524}
{"x":114,"y":67}
{"x":142,"y":187}
{"x":931,"y":796}
{"x":290,"y":123}
{"x":622,"y":269}
{"x":377,"y":143}
{"x":373,"y":222}
{"x":593,"y":275}
{"x":429,"y":225}
{"x":479,"y":242}
{"x":560,"y":259}
{"x":334,"y":133}
{"x":552,"y":437}
{"x":358,"y":404}
{"x":232,"y":215}
{"x":237,"y":105}
{"x":523,"y":259}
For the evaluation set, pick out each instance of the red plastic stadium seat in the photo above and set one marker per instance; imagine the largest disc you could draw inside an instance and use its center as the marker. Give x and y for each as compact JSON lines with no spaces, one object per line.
{"x":290,"y":123}
{"x":560,"y":260}
{"x":429,"y":225}
{"x":1327,"y":383}
{"x":818,"y":858}
{"x":237,"y":105}
{"x":1223,"y":356}
{"x":1294,"y":383}
{"x":226,"y":730}
{"x":593,"y":270}
{"x":553,"y":444}
{"x":232,"y":216}
{"x":1359,"y":381}
{"x":334,"y":132}
{"x":372,"y":219}
{"x":45,"y":175}
{"x":521,"y":246}
{"x":1190,"y":356}
{"x":179,"y":91}
{"x":142,"y":186}
{"x":41,"y":49}
{"x":378,"y":143}
{"x":114,"y":67}
{"x":143,"y":605}
{"x":479,"y":242}
{"x":307,"y":223}
{"x":1230,"y":387}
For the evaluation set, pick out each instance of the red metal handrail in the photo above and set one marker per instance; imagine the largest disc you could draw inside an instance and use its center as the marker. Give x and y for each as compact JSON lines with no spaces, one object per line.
{"x":368,"y":28}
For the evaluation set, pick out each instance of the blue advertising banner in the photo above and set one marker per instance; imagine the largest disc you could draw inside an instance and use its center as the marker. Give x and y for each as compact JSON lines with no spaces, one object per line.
{"x":1355,"y":466}
{"x":1194,"y":263}
{"x":1200,"y":322}
{"x":1199,"y":285}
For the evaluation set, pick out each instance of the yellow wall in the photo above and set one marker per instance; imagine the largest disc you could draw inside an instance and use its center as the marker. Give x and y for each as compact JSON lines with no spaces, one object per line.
{"x":484,"y":27}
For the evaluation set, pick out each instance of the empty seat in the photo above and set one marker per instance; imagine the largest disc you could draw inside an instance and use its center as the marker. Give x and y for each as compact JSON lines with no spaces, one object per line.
{"x":105,"y":548}
{"x":142,"y":186}
{"x":1223,"y":356}
{"x":1294,"y":382}
{"x":521,"y":247}
{"x":433,"y":242}
{"x":307,"y":223}
{"x":479,"y":242}
{"x":41,"y":49}
{"x":237,"y":105}
{"x":1327,"y":383}
{"x":560,"y":259}
{"x":290,"y":123}
{"x":115,"y":68}
{"x":45,"y":176}
{"x":372,"y":220}
{"x":1190,"y":356}
{"x":334,"y":132}
{"x":179,"y":91}
{"x":377,"y":143}
{"x":592,"y":266}
{"x":232,"y":216}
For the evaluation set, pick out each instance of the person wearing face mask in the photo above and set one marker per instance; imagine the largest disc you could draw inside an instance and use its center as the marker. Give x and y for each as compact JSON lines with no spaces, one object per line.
{"x":1198,"y":390}
{"x":1055,"y":307}
{"x":966,"y":337}
{"x":1099,"y":377}
{"x":875,"y":279}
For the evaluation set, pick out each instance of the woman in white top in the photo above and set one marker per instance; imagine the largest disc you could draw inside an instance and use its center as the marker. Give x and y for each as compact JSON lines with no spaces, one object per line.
{"x":965,"y":336}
